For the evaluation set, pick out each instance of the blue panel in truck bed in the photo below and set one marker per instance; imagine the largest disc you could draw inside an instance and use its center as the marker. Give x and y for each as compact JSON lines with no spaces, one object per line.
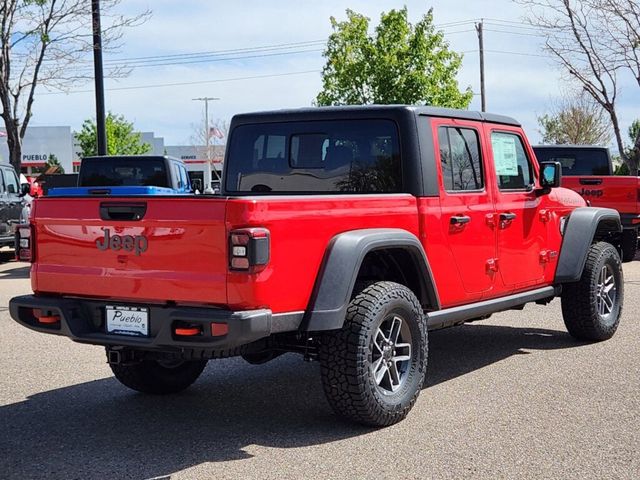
{"x":125,"y":190}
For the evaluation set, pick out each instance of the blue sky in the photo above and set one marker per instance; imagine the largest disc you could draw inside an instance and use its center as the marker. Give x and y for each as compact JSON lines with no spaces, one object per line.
{"x":520,"y":80}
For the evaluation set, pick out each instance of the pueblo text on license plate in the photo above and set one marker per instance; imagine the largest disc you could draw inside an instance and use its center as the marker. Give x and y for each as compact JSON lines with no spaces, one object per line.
{"x":132,"y":321}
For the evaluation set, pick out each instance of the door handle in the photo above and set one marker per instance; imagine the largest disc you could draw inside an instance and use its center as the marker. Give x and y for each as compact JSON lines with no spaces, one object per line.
{"x":123,"y":211}
{"x":459,"y":220}
{"x":507,"y":217}
{"x":590,"y":181}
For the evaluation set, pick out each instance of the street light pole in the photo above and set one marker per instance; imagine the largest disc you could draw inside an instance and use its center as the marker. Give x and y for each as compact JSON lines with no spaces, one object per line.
{"x":101,"y":129}
{"x":207,"y":130}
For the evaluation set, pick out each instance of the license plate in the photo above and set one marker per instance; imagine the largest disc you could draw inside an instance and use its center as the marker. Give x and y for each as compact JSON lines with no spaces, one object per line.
{"x":133,"y":321}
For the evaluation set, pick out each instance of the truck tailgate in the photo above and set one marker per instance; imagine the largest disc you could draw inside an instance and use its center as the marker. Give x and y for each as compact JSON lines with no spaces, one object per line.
{"x":618,"y":192}
{"x":155,"y":249}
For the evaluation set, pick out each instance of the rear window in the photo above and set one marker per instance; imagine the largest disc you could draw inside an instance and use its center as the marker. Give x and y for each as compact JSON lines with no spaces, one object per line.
{"x":116,"y":172}
{"x":345,"y":156}
{"x":576,"y":161}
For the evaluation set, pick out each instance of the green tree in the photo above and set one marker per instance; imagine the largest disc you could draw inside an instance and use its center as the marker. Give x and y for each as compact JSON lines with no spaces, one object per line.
{"x":400,"y":63}
{"x":121,"y":138}
{"x":52,"y":161}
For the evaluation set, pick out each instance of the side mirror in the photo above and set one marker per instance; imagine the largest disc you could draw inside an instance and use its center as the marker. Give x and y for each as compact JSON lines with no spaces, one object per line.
{"x":550,"y":175}
{"x":25,"y":189}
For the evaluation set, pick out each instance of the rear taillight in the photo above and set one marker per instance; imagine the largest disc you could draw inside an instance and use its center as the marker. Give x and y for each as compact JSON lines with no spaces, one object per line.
{"x":25,"y":243}
{"x":249,"y":249}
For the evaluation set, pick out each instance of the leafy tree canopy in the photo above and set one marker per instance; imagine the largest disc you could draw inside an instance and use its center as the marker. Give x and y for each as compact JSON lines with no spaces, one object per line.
{"x":400,"y":63}
{"x":121,"y":138}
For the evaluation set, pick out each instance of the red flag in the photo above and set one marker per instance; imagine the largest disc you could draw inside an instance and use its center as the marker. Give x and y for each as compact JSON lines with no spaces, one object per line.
{"x":216,"y":132}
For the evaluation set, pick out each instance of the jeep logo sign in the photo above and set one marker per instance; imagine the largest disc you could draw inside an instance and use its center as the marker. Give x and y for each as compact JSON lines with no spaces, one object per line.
{"x":591,"y":193}
{"x":116,"y":242}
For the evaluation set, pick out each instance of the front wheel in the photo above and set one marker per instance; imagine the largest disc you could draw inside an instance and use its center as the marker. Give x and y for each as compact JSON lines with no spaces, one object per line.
{"x":159,"y":377}
{"x":373,"y":368}
{"x":591,"y":307}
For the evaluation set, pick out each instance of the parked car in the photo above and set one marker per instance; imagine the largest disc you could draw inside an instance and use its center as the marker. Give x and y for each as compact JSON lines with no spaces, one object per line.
{"x":588,"y":170}
{"x":11,"y":204}
{"x":342,"y":234}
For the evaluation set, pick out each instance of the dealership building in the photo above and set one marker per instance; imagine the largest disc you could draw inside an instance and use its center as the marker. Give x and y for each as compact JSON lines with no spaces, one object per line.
{"x":40,"y":143}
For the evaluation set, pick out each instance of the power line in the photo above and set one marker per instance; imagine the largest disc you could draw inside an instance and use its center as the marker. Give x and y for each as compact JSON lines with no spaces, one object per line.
{"x":209,"y":60}
{"x":514,"y":23}
{"x":517,"y":53}
{"x":513,"y":33}
{"x":159,"y":85}
{"x":223,"y":52}
{"x":279,"y":46}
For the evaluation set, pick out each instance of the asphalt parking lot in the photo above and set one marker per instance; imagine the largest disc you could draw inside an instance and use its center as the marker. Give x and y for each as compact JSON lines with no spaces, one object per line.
{"x":511,"y":397}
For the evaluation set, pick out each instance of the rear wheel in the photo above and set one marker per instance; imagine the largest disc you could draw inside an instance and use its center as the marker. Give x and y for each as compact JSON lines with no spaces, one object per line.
{"x":629,"y":244}
{"x":591,"y":307}
{"x":373,"y":368}
{"x":157,"y":376}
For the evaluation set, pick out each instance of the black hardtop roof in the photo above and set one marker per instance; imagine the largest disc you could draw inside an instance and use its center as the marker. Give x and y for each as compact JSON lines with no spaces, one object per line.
{"x":572,"y":147}
{"x":367,"y":111}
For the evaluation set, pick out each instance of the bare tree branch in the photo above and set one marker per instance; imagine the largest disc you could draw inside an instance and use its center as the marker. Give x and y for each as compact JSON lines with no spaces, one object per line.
{"x":593,"y":40}
{"x":42,"y":43}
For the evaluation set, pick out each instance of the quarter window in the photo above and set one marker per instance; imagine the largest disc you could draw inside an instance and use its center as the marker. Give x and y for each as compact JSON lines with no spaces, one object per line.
{"x":460,"y":159}
{"x":513,"y":168}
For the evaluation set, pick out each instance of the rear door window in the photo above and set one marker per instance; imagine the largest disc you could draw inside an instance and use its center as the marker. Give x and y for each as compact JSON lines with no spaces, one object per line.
{"x":460,"y":159}
{"x":345,"y":156}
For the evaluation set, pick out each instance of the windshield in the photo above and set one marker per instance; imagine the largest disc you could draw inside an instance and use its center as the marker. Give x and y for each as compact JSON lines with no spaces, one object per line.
{"x":576,"y":161}
{"x":345,"y":156}
{"x":115,"y":172}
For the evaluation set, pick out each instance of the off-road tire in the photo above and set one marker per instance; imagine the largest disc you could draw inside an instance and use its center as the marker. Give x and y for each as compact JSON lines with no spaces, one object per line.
{"x":151,"y":376}
{"x":346,"y":356}
{"x":629,"y":244}
{"x":580,"y":300}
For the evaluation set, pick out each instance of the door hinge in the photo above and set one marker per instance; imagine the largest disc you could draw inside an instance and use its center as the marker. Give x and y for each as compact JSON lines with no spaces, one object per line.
{"x":492,"y":265}
{"x":547,"y":255}
{"x":545,"y":216}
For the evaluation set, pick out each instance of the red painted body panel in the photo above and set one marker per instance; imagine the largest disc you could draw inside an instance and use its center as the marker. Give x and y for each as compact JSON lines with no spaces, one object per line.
{"x":618,"y":192}
{"x":185,"y":260}
{"x":301,"y":228}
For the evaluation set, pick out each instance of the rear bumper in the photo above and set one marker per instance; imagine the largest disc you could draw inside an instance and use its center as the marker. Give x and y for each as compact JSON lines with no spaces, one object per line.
{"x":84,"y":321}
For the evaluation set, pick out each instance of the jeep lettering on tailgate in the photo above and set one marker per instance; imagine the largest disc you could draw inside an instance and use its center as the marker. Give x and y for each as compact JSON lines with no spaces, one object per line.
{"x":590,"y":193}
{"x":117,"y":242}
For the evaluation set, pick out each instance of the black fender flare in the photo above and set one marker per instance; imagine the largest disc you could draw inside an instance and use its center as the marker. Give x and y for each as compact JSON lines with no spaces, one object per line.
{"x":339,"y":270}
{"x":579,"y":231}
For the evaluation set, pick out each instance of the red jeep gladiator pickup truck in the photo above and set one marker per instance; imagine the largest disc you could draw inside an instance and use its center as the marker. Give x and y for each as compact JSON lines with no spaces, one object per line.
{"x":343,"y":234}
{"x":587,"y":169}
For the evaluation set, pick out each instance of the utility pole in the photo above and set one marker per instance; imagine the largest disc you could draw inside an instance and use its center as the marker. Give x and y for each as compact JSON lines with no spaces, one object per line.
{"x":481,"y":45}
{"x":98,"y":74}
{"x":207,"y":130}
